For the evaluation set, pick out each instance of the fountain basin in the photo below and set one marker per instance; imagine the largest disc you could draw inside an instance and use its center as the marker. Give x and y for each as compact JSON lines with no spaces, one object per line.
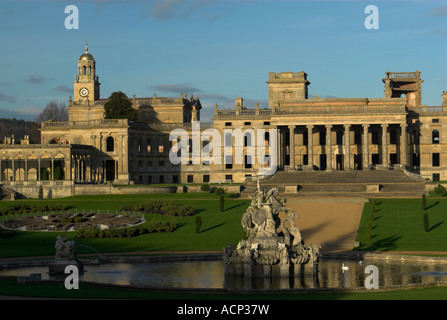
{"x":208,"y":272}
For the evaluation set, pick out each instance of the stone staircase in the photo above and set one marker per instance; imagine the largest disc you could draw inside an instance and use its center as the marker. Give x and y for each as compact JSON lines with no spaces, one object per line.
{"x":362,"y":184}
{"x":6,"y":194}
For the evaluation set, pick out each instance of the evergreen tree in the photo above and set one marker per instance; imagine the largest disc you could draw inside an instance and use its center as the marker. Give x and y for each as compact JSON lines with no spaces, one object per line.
{"x":220,"y":193}
{"x":119,"y":107}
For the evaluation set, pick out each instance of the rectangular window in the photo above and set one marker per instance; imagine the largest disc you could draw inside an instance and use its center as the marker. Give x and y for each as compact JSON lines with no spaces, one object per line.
{"x":435,"y":120}
{"x":161,"y":163}
{"x":266,"y":123}
{"x":206,"y":178}
{"x":436,"y":177}
{"x":190,"y":178}
{"x":229,"y":178}
{"x":161,"y":149}
{"x":435,"y":160}
{"x":162,"y":179}
{"x":248,"y":162}
{"x":227,"y":124}
{"x":228,"y":162}
{"x":175,"y":178}
{"x":247,"y":123}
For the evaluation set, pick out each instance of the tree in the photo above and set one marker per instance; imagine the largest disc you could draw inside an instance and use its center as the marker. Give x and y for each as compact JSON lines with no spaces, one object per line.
{"x":198,"y":224}
{"x":220,"y":193}
{"x":119,"y":107}
{"x":424,"y":202}
{"x":53,"y":111}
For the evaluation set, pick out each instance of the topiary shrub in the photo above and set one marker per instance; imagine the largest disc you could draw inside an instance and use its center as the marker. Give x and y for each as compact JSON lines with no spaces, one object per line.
{"x":440,"y":190}
{"x":424,"y":202}
{"x":198,"y":224}
{"x":205,"y":187}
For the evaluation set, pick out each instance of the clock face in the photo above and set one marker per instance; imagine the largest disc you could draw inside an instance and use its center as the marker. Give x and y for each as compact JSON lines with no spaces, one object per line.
{"x":83,"y":92}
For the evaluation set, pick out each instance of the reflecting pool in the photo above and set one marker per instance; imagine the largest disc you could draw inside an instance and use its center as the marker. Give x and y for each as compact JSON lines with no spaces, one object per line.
{"x":209,"y":274}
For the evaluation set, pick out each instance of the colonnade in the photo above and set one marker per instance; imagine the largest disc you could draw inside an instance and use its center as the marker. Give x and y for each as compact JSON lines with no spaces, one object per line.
{"x":367,"y":149}
{"x":80,"y":168}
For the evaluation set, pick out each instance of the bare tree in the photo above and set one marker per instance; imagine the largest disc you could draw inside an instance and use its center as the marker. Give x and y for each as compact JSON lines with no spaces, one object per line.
{"x":53,"y":111}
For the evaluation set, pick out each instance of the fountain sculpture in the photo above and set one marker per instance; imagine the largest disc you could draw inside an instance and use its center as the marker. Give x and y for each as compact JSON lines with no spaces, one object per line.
{"x":272,"y":246}
{"x":65,"y":255}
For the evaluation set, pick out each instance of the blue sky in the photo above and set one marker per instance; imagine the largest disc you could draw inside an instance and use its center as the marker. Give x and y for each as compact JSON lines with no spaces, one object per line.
{"x":217,"y":49}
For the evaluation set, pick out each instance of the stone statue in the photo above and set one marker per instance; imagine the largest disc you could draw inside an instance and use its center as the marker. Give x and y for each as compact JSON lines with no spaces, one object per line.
{"x":269,"y":240}
{"x":65,"y":256}
{"x":65,"y":250}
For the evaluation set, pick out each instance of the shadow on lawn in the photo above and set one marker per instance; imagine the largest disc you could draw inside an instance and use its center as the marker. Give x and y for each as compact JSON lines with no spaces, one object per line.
{"x":432,"y":205}
{"x":213,"y":227}
{"x":435,"y":226}
{"x":235,"y":206}
{"x":386,"y":244}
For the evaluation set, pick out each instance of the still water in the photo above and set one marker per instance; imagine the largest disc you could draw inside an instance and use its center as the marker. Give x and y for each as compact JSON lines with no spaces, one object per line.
{"x":210,"y":274}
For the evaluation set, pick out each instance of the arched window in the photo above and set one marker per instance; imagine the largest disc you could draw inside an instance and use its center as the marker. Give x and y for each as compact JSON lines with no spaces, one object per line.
{"x":83,"y":70}
{"x":267,"y":139}
{"x":247,"y":139}
{"x":110,"y":144}
{"x":228,"y":139}
{"x":89,"y":70}
{"x":435,"y":136}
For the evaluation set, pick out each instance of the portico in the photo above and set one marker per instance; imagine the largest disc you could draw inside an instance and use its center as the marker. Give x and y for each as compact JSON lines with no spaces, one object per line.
{"x":355,"y":146}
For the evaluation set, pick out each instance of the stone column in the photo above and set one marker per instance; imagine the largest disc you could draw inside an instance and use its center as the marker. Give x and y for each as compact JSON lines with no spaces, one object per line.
{"x":1,"y":173}
{"x":292,"y":147}
{"x":67,"y":171}
{"x":328,"y":148}
{"x":13,"y":169}
{"x":347,"y":164}
{"x":52,"y":169}
{"x":310,"y":145}
{"x":38,"y":169}
{"x":403,"y":144}
{"x":384,"y":145}
{"x":121,"y":153}
{"x":279,"y":147}
{"x":365,"y":156}
{"x":26,"y":168}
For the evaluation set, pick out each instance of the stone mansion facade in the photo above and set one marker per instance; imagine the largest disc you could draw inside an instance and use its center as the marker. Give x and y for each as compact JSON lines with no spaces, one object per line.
{"x":315,"y":134}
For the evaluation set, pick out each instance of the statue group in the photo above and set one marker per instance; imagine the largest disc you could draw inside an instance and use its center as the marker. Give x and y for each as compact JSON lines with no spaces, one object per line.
{"x":65,"y":255}
{"x":272,"y":245}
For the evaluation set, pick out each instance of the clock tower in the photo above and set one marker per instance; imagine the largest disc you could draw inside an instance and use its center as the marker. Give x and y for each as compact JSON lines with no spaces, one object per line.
{"x":86,"y":84}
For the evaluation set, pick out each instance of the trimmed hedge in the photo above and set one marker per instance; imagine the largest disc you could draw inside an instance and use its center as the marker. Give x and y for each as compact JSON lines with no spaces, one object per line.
{"x":152,"y":227}
{"x":25,"y":208}
{"x":166,"y":208}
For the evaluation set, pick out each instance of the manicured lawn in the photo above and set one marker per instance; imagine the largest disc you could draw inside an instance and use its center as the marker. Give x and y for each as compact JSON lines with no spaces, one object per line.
{"x":398,"y":225}
{"x":218,"y":229}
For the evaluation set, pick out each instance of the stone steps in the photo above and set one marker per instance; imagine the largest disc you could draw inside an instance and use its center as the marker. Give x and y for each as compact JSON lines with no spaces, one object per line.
{"x":385,"y":183}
